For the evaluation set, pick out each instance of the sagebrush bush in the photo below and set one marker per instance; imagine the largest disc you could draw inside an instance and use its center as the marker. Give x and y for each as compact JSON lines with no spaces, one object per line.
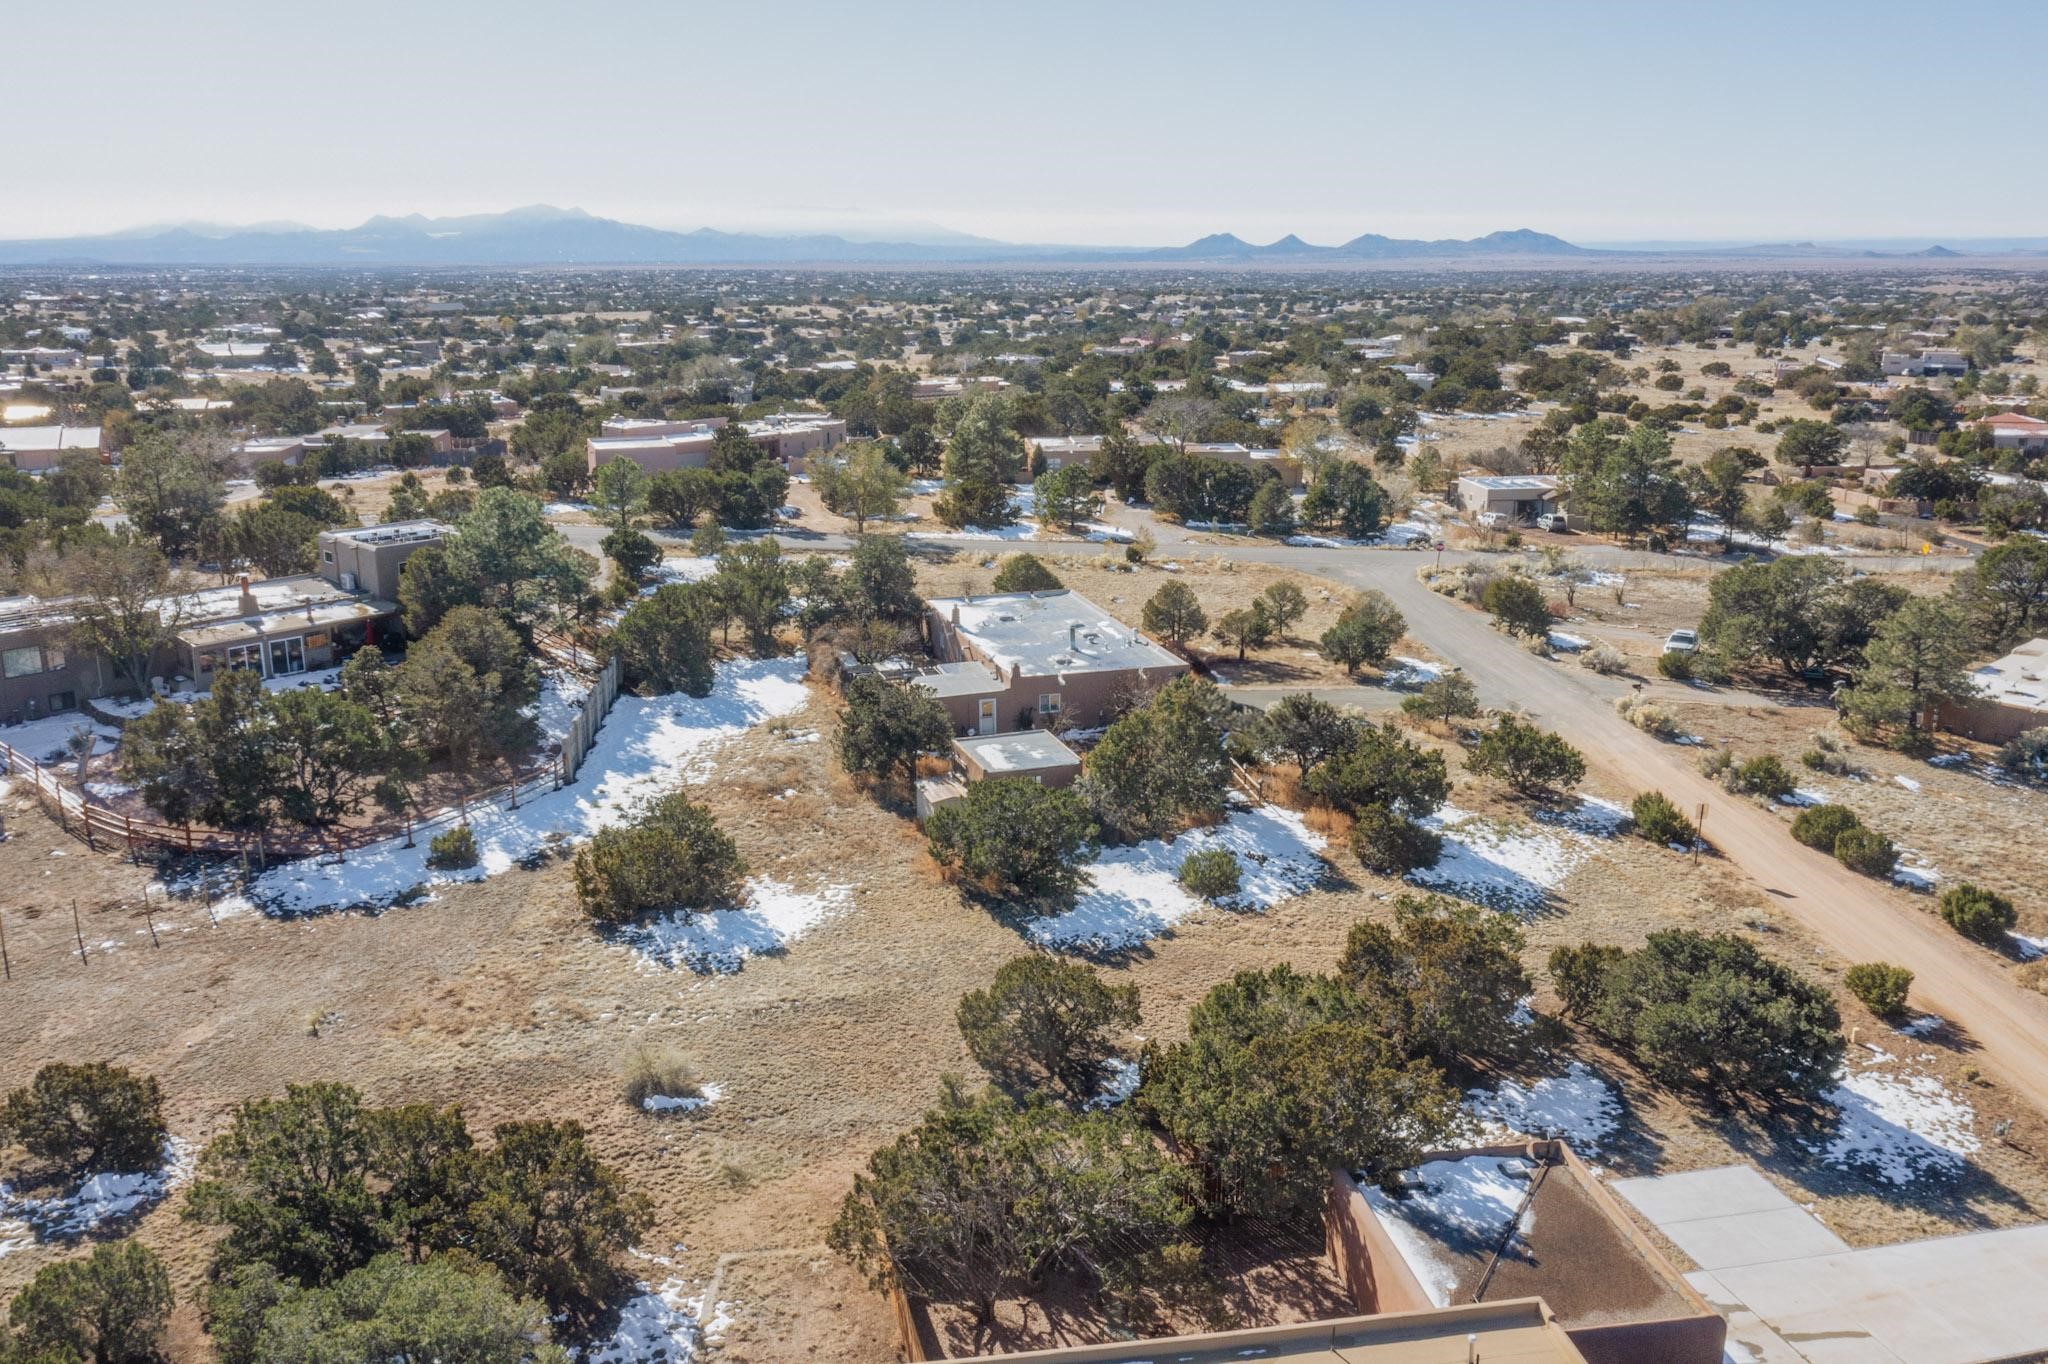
{"x":1658,"y":819}
{"x":1675,"y":664}
{"x":1391,"y":844}
{"x":656,"y":1070}
{"x":1647,"y":716}
{"x":1604,"y":659}
{"x":1880,"y":986}
{"x":452,"y":849}
{"x":2026,"y":757}
{"x":1866,"y":851}
{"x":1818,"y":826}
{"x":1983,"y":915}
{"x":1211,"y":873}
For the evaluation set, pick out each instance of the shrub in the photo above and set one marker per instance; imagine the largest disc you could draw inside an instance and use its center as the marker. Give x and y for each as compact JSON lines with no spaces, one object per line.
{"x":1717,"y":763}
{"x":1976,"y":913}
{"x":110,"y":1306}
{"x":2026,"y":757}
{"x":1517,"y":605}
{"x":1647,"y":716}
{"x":1446,"y":982}
{"x":1818,"y":826}
{"x":393,"y":1309}
{"x":1708,"y":1011}
{"x":1763,"y":775}
{"x":87,"y":1118}
{"x":1391,"y":843}
{"x":1163,"y":764}
{"x":1880,"y":986}
{"x":1212,"y":873}
{"x":1044,"y":1024}
{"x":1529,"y":759}
{"x":1604,"y":659}
{"x":452,"y":849}
{"x":1247,"y":1095}
{"x":1442,"y":699}
{"x":1866,"y":851}
{"x":1675,"y":664}
{"x":658,"y":1071}
{"x":1014,"y":838}
{"x":1025,"y":573}
{"x":1659,"y":820}
{"x":673,"y":857}
{"x":1365,"y":635}
{"x":888,"y":726}
{"x":550,"y":1216}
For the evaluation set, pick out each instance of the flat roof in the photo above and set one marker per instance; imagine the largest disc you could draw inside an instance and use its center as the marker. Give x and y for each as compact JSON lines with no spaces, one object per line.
{"x":1513,"y":482}
{"x":1553,"y":1240}
{"x":958,"y":679}
{"x":2020,"y":679}
{"x":1026,"y":750}
{"x":1050,"y":634}
{"x":1507,"y":1332}
{"x":391,"y":533}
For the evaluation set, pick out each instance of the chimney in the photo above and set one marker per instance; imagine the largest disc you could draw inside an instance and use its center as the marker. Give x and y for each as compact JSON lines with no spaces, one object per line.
{"x":1074,"y":635}
{"x":247,"y":603}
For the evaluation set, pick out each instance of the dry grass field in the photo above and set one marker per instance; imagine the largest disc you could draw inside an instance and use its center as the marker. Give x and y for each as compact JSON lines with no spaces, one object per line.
{"x":498,"y":997}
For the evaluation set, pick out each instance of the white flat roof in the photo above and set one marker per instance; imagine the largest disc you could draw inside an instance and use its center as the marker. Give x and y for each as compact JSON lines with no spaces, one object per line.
{"x":1050,"y":634}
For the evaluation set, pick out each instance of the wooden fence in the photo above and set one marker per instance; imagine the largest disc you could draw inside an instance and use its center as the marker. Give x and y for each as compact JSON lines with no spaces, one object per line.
{"x":96,"y":823}
{"x":583,"y":732}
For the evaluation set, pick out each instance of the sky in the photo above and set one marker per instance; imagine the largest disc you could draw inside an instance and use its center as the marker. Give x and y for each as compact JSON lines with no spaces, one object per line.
{"x":1088,"y":123}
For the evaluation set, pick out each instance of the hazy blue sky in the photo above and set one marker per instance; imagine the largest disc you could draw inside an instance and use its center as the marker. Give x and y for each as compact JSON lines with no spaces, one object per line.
{"x":1100,"y":123}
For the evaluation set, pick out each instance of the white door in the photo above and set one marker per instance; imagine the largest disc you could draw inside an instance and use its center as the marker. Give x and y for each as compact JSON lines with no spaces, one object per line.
{"x":988,"y":717}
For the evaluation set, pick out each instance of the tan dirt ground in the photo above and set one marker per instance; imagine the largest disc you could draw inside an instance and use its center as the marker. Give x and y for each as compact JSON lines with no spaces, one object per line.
{"x":497,"y":996}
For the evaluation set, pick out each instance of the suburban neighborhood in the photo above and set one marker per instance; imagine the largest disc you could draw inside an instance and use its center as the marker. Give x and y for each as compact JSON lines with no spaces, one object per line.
{"x":775,"y":780}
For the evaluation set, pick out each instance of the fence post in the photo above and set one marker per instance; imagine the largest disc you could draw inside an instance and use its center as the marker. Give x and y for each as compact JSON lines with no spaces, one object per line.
{"x":6,"y":963}
{"x":78,"y":931}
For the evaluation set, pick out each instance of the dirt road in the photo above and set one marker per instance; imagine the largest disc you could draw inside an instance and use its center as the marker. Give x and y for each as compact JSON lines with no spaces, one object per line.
{"x":1857,"y":918}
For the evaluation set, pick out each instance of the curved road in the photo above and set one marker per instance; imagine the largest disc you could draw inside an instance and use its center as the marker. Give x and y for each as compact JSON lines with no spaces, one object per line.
{"x":1856,"y":918}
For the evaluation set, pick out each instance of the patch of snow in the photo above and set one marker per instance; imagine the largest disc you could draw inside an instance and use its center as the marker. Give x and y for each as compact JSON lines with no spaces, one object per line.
{"x":1577,"y":1107}
{"x":646,"y":747}
{"x":2030,"y":949}
{"x":98,"y":1202}
{"x":1906,"y":782}
{"x":1804,"y":796}
{"x":1569,"y":644}
{"x":1592,"y":815}
{"x":1500,"y":865}
{"x":1949,"y":760}
{"x":1119,"y":1083}
{"x":683,"y":568}
{"x":657,"y":1326}
{"x":1464,"y":1208}
{"x":706,"y":1096}
{"x":44,"y":739}
{"x":1898,"y":1128}
{"x":559,"y":703}
{"x":1412,"y":672}
{"x":1136,"y":894}
{"x":1919,"y":1027}
{"x":108,"y":790}
{"x":1914,"y":873}
{"x":719,"y":941}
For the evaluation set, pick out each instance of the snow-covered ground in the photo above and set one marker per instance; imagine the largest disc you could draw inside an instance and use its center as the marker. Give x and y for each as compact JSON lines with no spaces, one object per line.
{"x":128,"y":708}
{"x":1897,"y":1128}
{"x":1136,"y":894}
{"x":659,"y":1325}
{"x":1414,"y":531}
{"x":646,"y":747}
{"x":719,"y":941}
{"x":1508,"y":866}
{"x":98,"y":1203}
{"x":1568,"y":644}
{"x":705,"y":1096}
{"x":1118,"y":1084}
{"x":681,"y":568}
{"x":1915,"y":872}
{"x":44,"y":739}
{"x":1577,"y":1107}
{"x":1466,"y":1206}
{"x":1410,"y":672}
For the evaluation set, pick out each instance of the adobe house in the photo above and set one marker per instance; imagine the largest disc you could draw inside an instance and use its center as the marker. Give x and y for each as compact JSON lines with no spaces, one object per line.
{"x":1036,"y":660}
{"x":1033,"y":754}
{"x":2011,"y":697}
{"x":368,"y":559}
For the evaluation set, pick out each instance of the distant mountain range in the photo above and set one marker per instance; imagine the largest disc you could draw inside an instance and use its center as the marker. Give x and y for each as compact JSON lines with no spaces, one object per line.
{"x":541,"y":235}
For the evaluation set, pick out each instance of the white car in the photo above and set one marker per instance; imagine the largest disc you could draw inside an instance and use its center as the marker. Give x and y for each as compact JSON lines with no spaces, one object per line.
{"x":1681,"y":641}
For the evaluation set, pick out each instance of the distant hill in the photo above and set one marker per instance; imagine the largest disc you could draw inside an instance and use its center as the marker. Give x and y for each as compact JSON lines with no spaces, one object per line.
{"x":542,"y":235}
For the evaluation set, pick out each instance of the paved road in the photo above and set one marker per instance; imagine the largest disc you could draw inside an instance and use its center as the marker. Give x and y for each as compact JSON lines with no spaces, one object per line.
{"x":1856,"y":918}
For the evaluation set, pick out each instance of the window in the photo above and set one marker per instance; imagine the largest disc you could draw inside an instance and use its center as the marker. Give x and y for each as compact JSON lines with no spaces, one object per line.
{"x":25,"y":662}
{"x":62,"y":700}
{"x":326,"y":556}
{"x":53,"y":658}
{"x":245,"y":656}
{"x":1049,"y":703}
{"x":287,"y":656}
